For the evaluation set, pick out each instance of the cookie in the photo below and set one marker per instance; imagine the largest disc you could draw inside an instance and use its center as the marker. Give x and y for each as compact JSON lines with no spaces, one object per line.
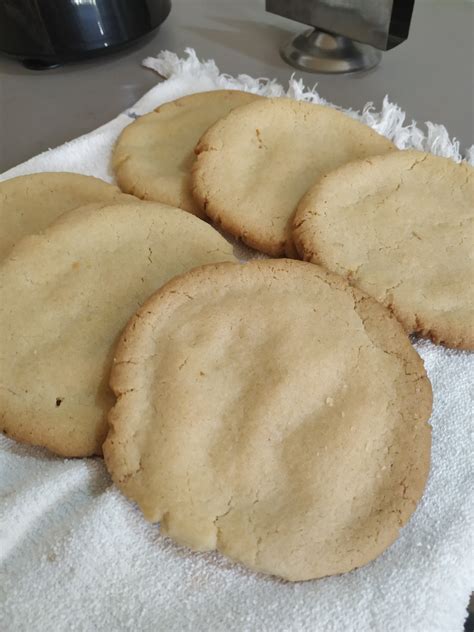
{"x":65,"y":296}
{"x":272,"y":412}
{"x":154,"y":155}
{"x":400,"y":227}
{"x":254,"y":165}
{"x":28,"y":204}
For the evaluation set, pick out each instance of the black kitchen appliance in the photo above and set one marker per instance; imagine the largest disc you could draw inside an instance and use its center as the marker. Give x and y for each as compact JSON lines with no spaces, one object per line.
{"x":45,"y":33}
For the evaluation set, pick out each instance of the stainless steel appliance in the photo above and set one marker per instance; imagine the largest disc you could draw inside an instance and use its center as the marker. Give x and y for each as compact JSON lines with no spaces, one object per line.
{"x":348,"y":35}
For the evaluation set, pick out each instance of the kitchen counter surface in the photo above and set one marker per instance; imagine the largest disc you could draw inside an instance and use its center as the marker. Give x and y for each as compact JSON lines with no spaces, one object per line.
{"x":430,"y":75}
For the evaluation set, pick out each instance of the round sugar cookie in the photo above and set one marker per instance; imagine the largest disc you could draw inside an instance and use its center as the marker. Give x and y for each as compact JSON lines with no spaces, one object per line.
{"x":272,"y":412}
{"x":154,"y":155}
{"x":28,"y":204}
{"x":254,"y":165}
{"x":400,"y":227}
{"x":65,"y":296}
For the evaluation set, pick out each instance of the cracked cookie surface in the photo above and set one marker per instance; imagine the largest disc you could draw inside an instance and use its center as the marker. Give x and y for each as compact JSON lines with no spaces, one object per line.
{"x":254,"y":165}
{"x":400,"y":227}
{"x":154,"y":155}
{"x":28,"y":204}
{"x":65,"y":296}
{"x":272,"y":412}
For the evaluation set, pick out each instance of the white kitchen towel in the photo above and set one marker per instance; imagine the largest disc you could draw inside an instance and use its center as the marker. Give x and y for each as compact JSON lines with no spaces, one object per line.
{"x":76,"y":555}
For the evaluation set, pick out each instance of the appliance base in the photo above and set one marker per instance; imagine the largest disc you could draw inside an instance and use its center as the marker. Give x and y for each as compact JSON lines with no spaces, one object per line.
{"x":48,"y":62}
{"x":38,"y":64}
{"x":318,"y":51}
